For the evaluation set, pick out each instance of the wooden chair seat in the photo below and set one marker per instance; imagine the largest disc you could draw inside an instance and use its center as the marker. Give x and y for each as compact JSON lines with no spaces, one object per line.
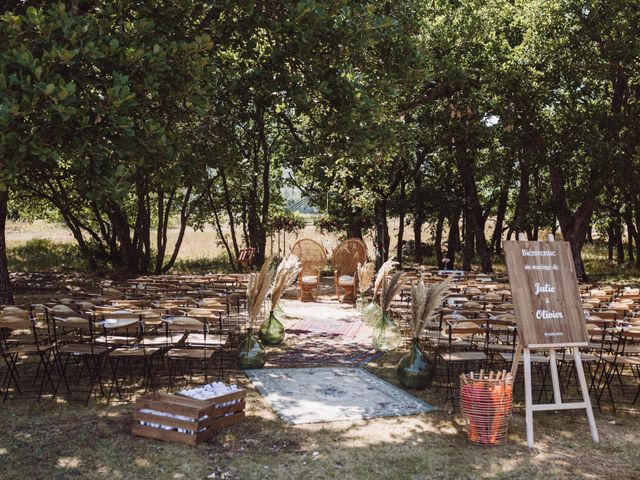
{"x":310,"y":279}
{"x":82,"y":349}
{"x":621,"y":360}
{"x":501,"y":347}
{"x":172,"y":339}
{"x":133,"y":352}
{"x":117,"y":339}
{"x":211,"y":340}
{"x":535,"y":358}
{"x":30,"y":348}
{"x":346,"y":281}
{"x":190,"y":353}
{"x":463,"y":356}
{"x":585,"y":357}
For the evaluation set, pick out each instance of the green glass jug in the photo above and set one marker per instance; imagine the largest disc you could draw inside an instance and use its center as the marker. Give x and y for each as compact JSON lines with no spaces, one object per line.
{"x":386,"y":334}
{"x":271,"y":331}
{"x":414,"y":370}
{"x":251,"y":353}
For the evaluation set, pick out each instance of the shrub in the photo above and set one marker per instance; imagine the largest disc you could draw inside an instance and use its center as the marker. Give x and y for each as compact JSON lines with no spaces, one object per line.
{"x":286,"y":220}
{"x":219,"y":264}
{"x":42,"y":255}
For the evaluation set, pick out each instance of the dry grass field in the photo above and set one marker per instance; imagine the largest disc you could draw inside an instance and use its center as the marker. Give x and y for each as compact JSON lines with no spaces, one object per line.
{"x":196,"y":244}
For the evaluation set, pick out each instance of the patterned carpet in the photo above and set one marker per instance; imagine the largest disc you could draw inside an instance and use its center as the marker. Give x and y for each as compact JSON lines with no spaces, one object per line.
{"x":314,"y":395}
{"x":322,"y":334}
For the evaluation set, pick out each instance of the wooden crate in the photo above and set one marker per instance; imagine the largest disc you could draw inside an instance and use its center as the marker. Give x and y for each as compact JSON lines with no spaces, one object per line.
{"x":202,"y":429}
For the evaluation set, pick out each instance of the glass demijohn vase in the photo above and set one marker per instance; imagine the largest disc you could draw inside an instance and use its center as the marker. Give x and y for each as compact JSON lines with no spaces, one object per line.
{"x":361,"y":303}
{"x":279,"y":313}
{"x":414,"y":370}
{"x":386,"y":334}
{"x":271,"y":331}
{"x":372,"y":314}
{"x":251,"y":353}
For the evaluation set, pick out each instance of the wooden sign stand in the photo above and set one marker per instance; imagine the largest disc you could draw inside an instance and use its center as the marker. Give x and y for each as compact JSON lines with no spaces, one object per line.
{"x":525,"y":354}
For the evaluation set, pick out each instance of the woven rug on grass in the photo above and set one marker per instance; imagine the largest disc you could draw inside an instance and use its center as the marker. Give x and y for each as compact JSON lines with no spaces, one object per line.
{"x":316,"y":395}
{"x":339,"y":319}
{"x":320,"y":351}
{"x":321,"y":335}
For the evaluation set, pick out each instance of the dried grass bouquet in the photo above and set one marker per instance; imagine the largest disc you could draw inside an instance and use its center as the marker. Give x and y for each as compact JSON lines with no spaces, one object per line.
{"x":424,"y":302}
{"x":366,"y":273}
{"x":286,"y":274}
{"x":257,"y":289}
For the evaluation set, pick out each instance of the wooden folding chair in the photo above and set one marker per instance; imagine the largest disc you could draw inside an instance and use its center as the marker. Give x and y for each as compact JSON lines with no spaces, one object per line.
{"x":20,"y":337}
{"x":73,"y":333}
{"x":199,"y":344}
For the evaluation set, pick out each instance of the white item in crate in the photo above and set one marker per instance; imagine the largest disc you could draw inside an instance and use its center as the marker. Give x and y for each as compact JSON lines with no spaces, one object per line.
{"x":206,"y":392}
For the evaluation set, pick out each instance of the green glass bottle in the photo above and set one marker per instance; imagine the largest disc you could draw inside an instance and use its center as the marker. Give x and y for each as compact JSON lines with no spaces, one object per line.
{"x":414,"y":370}
{"x":251,"y":353}
{"x":271,"y":331}
{"x":361,"y":303}
{"x":279,"y":312}
{"x":372,"y":314}
{"x":386,"y":334}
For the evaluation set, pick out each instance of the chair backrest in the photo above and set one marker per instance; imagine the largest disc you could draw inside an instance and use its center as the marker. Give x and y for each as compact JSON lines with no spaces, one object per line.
{"x":11,"y":323}
{"x":187,"y":324}
{"x":246,"y":256}
{"x":311,"y":254}
{"x":129,"y":324}
{"x":347,"y":255}
{"x":65,"y":325}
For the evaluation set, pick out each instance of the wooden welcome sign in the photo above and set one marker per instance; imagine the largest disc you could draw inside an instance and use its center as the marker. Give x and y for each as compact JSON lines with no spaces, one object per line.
{"x":545,"y":294}
{"x":546,"y":300}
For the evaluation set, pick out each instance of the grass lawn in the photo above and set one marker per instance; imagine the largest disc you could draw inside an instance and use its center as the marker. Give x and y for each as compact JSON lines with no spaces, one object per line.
{"x":68,"y":440}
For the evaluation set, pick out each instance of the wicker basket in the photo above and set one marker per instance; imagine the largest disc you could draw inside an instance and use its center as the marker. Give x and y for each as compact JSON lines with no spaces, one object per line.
{"x":486,"y":401}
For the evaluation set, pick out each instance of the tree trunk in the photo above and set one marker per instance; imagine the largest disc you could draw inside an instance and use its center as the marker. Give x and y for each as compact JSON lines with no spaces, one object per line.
{"x":227,"y":203}
{"x":619,"y":240}
{"x":261,"y":230}
{"x":400,"y":223}
{"x":381,"y":232}
{"x":453,"y":242}
{"x":252,"y":211}
{"x":400,"y":240}
{"x":184,"y":218}
{"x":633,"y":237}
{"x":245,"y":223}
{"x":610,"y":241}
{"x":522,"y":203}
{"x":223,"y":239}
{"x":164,"y":213}
{"x":418,"y":220}
{"x":353,"y":231}
{"x":636,"y":216}
{"x":468,"y":250}
{"x":474,"y":216}
{"x":418,"y":210}
{"x":437,"y":247}
{"x":574,"y":225}
{"x":496,"y":238}
{"x":6,"y":294}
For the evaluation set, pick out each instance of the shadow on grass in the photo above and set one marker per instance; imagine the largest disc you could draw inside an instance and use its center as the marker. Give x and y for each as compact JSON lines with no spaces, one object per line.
{"x":69,"y":440}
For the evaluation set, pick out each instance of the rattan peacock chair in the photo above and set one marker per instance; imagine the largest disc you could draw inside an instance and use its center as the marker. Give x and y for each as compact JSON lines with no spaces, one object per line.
{"x":346,"y":257}
{"x":313,"y":259}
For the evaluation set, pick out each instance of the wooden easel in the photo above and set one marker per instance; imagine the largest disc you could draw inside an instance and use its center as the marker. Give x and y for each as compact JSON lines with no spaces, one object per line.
{"x":557,"y":397}
{"x":525,"y":353}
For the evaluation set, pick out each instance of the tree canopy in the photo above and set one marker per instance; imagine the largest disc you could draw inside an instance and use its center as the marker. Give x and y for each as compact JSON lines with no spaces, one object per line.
{"x":480,"y":118}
